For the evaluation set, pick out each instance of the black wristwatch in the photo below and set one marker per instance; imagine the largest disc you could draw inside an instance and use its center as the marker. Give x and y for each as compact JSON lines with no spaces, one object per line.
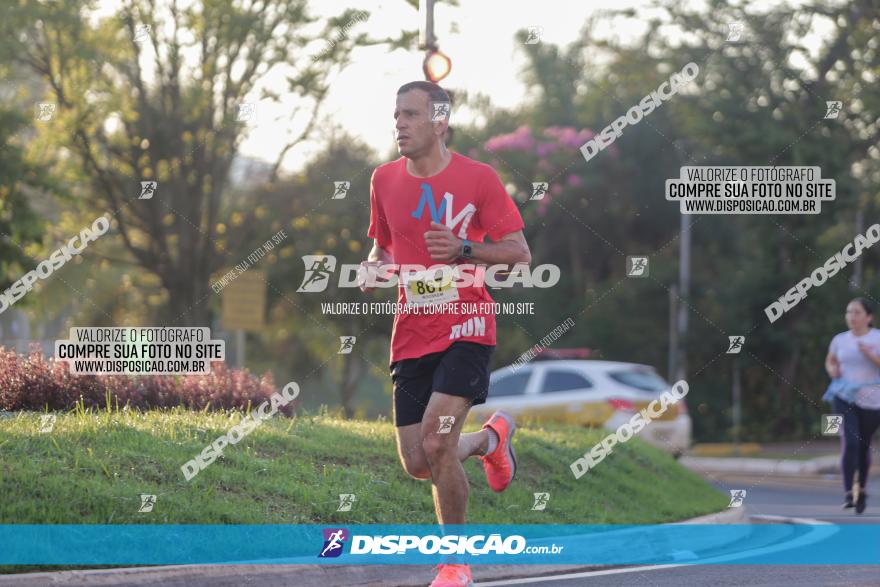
{"x":466,"y":250}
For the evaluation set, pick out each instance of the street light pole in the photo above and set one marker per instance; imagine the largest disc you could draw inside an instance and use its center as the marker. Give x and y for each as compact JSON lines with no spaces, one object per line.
{"x":856,"y":282}
{"x":737,"y":405}
{"x":436,"y":65}
{"x":427,"y":40}
{"x":672,"y":366}
{"x":684,"y":283}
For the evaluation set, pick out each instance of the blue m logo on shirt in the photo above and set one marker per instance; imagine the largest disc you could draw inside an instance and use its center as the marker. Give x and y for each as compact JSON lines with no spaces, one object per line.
{"x":443,"y":215}
{"x":428,"y":198}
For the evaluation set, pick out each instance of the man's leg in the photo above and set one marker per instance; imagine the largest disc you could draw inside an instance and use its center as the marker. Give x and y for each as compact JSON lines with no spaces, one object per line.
{"x":409,"y":449}
{"x":412,"y":392}
{"x":442,"y":452}
{"x":412,"y":454}
{"x":473,"y":444}
{"x":412,"y":380}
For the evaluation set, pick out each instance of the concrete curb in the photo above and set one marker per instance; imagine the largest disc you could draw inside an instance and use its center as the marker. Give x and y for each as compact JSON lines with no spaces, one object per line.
{"x":778,"y":467}
{"x":308,"y":575}
{"x":771,"y":519}
{"x":728,"y":516}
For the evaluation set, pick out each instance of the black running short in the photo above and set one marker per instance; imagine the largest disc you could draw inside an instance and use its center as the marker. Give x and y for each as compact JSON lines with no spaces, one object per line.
{"x":462,"y":370}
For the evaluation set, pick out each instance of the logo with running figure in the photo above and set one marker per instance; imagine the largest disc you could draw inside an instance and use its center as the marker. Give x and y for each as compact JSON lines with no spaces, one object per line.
{"x":735,"y":31}
{"x":318,"y":271}
{"x":737,"y":497}
{"x":148,"y":190}
{"x":446,"y":424}
{"x":247,"y":112}
{"x":831,"y":424}
{"x":541,"y":500}
{"x":334,"y":541}
{"x":833,"y":108}
{"x":636,"y":266}
{"x":534,"y":34}
{"x":142,"y":32}
{"x":346,"y":500}
{"x":44,"y":111}
{"x":539,"y":190}
{"x":340,"y":189}
{"x":346,"y":344}
{"x":735,"y":344}
{"x":440,"y":111}
{"x":147,"y":503}
{"x":47,"y":423}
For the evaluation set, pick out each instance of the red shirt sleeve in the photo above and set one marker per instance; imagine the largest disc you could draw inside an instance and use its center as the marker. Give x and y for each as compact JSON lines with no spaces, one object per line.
{"x":378,"y":223}
{"x":498,"y":213}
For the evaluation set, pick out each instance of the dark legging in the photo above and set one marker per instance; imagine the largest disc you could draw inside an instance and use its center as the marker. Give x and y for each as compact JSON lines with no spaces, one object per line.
{"x":859,"y":425}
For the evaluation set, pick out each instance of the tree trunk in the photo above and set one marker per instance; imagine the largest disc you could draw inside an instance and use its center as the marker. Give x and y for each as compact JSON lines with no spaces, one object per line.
{"x":575,"y":249}
{"x":188,"y":300}
{"x":351,"y":373}
{"x":783,"y":423}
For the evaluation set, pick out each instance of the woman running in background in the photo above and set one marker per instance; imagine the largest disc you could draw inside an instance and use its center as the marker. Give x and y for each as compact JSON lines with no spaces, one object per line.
{"x":853,"y":363}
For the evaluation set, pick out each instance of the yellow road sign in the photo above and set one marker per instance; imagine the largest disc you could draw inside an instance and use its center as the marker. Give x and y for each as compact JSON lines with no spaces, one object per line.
{"x":244,"y":302}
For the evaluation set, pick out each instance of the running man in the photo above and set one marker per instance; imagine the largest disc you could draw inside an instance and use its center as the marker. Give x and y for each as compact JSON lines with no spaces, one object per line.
{"x":433,"y":206}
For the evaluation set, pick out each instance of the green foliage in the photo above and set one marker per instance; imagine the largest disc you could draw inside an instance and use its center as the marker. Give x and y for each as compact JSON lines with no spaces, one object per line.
{"x":164,"y":106}
{"x":760,"y":101}
{"x":93,"y":466}
{"x":20,"y":225}
{"x":757,"y":102}
{"x":304,"y":339}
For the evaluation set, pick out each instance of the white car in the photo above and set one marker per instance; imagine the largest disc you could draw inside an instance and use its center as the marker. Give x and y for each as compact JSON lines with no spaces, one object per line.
{"x":588,"y":392}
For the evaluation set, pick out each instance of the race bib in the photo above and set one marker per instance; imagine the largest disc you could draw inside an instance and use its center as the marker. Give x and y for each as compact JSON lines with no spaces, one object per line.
{"x":427,"y":287}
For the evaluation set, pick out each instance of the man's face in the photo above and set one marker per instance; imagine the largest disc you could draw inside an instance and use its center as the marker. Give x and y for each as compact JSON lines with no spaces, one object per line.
{"x":414,"y":131}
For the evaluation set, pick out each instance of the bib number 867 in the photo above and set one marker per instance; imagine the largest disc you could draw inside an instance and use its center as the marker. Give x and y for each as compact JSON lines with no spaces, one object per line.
{"x":423,"y":287}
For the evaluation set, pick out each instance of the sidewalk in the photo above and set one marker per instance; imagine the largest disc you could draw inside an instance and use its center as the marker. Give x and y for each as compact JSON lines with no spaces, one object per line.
{"x":306,"y":575}
{"x":826,"y":465}
{"x":788,"y":459}
{"x":770,"y":450}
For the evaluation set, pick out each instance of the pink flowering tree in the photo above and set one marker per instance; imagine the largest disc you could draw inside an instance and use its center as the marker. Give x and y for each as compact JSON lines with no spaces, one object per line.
{"x":552,"y":155}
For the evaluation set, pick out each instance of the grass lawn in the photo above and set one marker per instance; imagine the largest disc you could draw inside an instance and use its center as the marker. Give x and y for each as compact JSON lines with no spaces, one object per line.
{"x":91,"y":468}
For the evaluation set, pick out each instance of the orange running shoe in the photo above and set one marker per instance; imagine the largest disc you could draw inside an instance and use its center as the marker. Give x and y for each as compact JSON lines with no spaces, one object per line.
{"x":500,"y":465}
{"x":453,"y":576}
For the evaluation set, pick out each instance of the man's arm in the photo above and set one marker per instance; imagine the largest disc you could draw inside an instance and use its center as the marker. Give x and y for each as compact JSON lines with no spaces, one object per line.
{"x":377,"y":256}
{"x":510,"y":249}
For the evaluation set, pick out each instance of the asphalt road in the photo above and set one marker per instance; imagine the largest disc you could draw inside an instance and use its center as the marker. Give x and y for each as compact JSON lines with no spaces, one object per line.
{"x":716,"y":576}
{"x":816,"y":498}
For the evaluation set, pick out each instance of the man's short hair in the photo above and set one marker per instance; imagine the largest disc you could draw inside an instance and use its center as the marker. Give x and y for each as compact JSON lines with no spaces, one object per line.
{"x":435,"y":92}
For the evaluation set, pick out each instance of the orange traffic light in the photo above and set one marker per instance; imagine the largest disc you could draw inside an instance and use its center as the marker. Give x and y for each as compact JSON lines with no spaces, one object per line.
{"x":436,"y":66}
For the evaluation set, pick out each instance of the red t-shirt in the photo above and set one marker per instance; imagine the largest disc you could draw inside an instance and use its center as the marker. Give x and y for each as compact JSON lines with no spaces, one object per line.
{"x":469,"y":198}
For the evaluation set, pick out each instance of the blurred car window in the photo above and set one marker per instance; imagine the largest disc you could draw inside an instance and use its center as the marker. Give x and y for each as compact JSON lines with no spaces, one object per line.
{"x":640,"y":379}
{"x":512,"y":384}
{"x":559,"y":380}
